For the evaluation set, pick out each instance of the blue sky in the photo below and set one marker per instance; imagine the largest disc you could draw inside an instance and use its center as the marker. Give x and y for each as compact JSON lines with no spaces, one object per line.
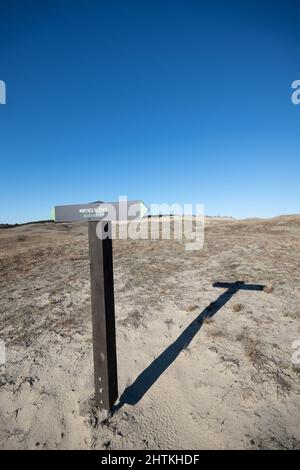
{"x":165,"y":101}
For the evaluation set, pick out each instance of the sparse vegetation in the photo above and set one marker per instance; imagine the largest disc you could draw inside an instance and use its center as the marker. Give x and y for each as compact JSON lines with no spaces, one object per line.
{"x":207,"y":320}
{"x":7,"y":226}
{"x":268,"y":289}
{"x":237,"y":307}
{"x":192,"y":308}
{"x":268,"y":368}
{"x":237,"y":366}
{"x":296,"y":368}
{"x":169,"y":322}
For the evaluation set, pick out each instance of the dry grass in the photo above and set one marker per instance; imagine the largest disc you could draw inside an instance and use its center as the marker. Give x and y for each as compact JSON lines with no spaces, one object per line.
{"x":237,"y":373}
{"x":192,"y":308}
{"x":267,"y":368}
{"x":237,"y":307}
{"x":268,"y":289}
{"x":207,"y":320}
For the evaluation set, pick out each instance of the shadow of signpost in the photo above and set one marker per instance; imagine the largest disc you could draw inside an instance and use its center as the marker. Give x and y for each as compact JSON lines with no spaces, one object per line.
{"x":150,"y":375}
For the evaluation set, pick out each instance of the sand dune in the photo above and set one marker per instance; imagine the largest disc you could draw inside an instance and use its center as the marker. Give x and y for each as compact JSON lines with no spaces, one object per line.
{"x":199,"y":366}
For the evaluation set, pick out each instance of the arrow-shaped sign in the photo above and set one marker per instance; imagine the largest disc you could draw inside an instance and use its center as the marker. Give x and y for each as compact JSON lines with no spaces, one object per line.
{"x":113,"y":211}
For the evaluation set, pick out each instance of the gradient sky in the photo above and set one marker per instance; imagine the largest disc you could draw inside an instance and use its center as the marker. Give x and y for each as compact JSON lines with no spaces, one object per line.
{"x":165,"y":101}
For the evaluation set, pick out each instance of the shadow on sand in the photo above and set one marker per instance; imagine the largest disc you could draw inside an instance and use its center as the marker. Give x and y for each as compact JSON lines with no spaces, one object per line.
{"x":151,"y":374}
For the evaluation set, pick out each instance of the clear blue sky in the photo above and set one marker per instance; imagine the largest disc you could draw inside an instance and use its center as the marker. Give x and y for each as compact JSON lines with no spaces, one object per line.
{"x":165,"y":101}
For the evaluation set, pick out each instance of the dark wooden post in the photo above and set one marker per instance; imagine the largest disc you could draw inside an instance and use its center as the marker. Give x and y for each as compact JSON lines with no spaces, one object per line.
{"x":103,"y":317}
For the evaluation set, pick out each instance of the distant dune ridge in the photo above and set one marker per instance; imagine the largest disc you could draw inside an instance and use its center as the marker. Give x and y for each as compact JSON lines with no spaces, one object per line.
{"x":199,"y":366}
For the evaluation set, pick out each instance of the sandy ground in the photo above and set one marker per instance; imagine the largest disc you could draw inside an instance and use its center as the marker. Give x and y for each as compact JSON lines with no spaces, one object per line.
{"x":199,"y":366}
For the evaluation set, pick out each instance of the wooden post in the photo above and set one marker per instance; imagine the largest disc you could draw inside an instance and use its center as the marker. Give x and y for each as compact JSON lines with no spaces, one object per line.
{"x":103,"y":317}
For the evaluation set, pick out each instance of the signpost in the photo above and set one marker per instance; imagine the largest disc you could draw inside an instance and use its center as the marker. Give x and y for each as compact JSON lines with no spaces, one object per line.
{"x":103,"y":318}
{"x":102,"y":286}
{"x":122,"y":210}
